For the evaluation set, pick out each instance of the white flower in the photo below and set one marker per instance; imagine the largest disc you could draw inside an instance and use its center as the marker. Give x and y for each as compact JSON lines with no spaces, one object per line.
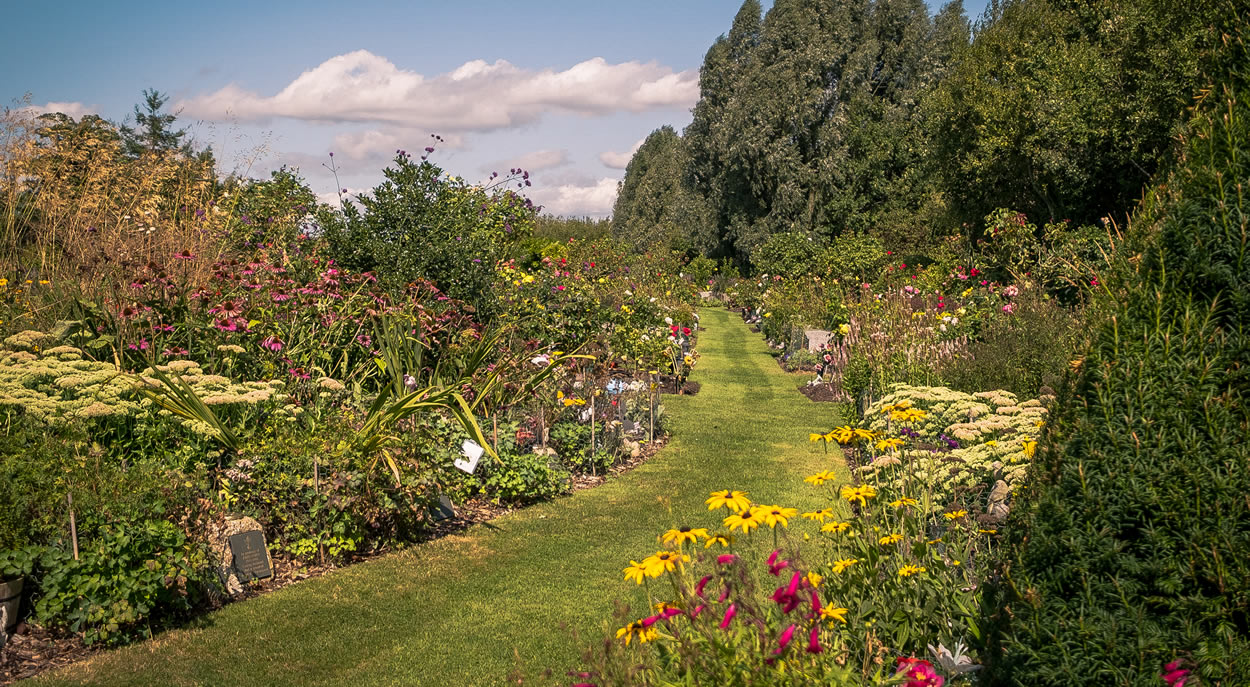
{"x":541,"y":360}
{"x":668,"y":321}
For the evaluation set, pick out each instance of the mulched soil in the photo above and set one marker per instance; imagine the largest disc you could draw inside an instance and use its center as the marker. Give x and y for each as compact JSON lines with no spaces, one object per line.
{"x":821,"y":393}
{"x":32,"y":650}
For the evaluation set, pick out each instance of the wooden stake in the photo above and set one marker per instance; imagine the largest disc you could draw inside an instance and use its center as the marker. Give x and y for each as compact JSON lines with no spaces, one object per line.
{"x":321,"y":547}
{"x":494,"y":431}
{"x":73,"y":524}
{"x":592,"y":431}
{"x":651,"y":393}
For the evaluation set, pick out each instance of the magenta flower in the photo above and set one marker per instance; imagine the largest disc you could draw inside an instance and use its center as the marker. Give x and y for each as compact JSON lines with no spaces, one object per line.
{"x":729,"y":615}
{"x":698,"y":588}
{"x":919,"y":673}
{"x":272,"y":343}
{"x":813,"y":641}
{"x":785,"y":638}
{"x":1174,"y":674}
{"x":726,"y":558}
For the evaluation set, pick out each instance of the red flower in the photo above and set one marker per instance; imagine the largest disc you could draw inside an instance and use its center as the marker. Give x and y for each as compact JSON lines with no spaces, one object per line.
{"x":685,"y":330}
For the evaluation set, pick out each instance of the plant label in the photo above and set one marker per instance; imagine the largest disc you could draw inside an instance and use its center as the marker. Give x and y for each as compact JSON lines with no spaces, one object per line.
{"x":472,"y":453}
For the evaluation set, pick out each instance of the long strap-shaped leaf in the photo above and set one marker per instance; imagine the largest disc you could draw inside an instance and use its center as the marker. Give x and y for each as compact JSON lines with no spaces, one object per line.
{"x":177,"y":396}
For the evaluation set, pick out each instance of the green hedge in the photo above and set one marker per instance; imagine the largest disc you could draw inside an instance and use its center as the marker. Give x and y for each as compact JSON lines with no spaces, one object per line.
{"x":1133,"y":548}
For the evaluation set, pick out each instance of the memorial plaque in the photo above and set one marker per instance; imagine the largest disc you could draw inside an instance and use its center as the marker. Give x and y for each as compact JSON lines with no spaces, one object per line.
{"x":251,"y":560}
{"x":443,"y":510}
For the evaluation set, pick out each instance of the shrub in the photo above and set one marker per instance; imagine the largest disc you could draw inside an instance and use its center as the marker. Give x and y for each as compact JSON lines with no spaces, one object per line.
{"x":855,"y":257}
{"x":1133,"y":549}
{"x":1018,"y":352}
{"x":789,"y":254}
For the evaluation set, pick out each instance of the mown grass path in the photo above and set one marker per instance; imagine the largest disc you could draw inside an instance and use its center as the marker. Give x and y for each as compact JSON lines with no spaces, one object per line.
{"x":471,"y":608}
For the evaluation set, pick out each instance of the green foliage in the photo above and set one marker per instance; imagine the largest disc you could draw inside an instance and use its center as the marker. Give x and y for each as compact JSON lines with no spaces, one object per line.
{"x":525,"y":477}
{"x":855,"y":258}
{"x":655,"y":206}
{"x":131,"y":578}
{"x":419,"y":224}
{"x":153,"y":132}
{"x":1019,"y":352}
{"x":789,"y":254}
{"x":1133,"y":549}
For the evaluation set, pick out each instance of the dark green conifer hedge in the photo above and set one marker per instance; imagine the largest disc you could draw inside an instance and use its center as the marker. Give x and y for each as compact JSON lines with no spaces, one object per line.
{"x":1131,"y":547}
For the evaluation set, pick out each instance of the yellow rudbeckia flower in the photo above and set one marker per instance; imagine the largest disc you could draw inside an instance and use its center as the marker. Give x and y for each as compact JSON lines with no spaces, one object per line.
{"x":735,"y":501}
{"x":681,"y":535}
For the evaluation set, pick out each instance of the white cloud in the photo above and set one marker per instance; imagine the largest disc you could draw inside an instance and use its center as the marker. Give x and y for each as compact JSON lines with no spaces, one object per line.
{"x":576,"y":200}
{"x":74,"y":109}
{"x":535,"y":161}
{"x":477,"y":96}
{"x":620,"y":160}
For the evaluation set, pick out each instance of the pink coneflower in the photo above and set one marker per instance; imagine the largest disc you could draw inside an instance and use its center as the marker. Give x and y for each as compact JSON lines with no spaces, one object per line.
{"x":298,"y":373}
{"x":272,"y":343}
{"x":184,"y":255}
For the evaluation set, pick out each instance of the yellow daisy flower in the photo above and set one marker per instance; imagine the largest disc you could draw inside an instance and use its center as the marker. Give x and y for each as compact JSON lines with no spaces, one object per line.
{"x":637,"y":629}
{"x":772,"y":515}
{"x":831,"y":614}
{"x":820,"y":478}
{"x":861,"y":494}
{"x":843,"y":563}
{"x":681,"y":535}
{"x":1030,"y":447}
{"x":747,"y":521}
{"x":735,"y":501}
{"x":636,"y":571}
{"x":663,"y":561}
{"x":723,"y":539}
{"x":905,"y":501}
{"x":890,"y":539}
{"x":890,"y":444}
{"x":955,"y":514}
{"x":814,"y":578}
{"x":835,"y":527}
{"x":909,"y":570}
{"x":819,"y":515}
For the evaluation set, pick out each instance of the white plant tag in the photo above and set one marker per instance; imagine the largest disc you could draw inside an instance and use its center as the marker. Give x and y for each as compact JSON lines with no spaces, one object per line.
{"x":473,"y":453}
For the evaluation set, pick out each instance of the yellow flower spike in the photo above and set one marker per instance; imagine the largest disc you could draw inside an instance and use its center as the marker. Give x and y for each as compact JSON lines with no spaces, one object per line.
{"x":636,"y":571}
{"x":745,"y":520}
{"x":840,"y":565}
{"x":831,"y":614}
{"x":835,"y":527}
{"x":735,"y":501}
{"x":679,"y":536}
{"x":890,"y":539}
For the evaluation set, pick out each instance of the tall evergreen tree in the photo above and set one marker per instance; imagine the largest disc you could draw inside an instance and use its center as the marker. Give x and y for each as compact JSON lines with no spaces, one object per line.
{"x":655,"y":204}
{"x":154,"y":130}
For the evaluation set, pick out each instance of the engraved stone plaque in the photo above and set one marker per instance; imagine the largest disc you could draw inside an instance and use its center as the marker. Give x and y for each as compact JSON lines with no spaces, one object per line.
{"x":251,"y":560}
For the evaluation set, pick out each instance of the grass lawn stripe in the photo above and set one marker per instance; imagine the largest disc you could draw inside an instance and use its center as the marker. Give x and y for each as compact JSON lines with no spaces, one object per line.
{"x":502,"y":597}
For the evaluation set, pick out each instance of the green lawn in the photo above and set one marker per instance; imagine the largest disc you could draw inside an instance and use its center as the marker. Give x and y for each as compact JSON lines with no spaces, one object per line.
{"x":471,"y":608}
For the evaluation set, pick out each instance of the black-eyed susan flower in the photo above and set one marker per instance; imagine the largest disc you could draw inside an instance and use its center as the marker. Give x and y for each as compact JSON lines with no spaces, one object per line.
{"x":833,"y":614}
{"x":723,"y":539}
{"x":890,"y":444}
{"x":636,"y":571}
{"x":637,"y":629}
{"x":843,"y":435}
{"x":955,"y":514}
{"x":908,"y":415}
{"x":815,"y":579}
{"x":746,"y":520}
{"x":859,"y":494}
{"x":988,"y":531}
{"x":909,"y":570}
{"x":815,"y":437}
{"x":905,"y":501}
{"x":680,"y":535}
{"x":819,"y":515}
{"x":890,"y":539}
{"x":735,"y":501}
{"x":663,"y":561}
{"x":835,"y":527}
{"x":842,"y":564}
{"x":774,"y":515}
{"x":820,"y":477}
{"x":863,"y":434}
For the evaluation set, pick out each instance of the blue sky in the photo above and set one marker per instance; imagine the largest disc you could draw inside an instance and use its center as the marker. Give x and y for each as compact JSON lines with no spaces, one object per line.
{"x":563,"y":88}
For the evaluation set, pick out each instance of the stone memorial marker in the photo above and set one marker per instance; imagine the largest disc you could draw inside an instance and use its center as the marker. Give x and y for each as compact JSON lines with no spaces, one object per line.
{"x":239,"y":551}
{"x":443,"y":510}
{"x":251,"y":557}
{"x":816,"y":338}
